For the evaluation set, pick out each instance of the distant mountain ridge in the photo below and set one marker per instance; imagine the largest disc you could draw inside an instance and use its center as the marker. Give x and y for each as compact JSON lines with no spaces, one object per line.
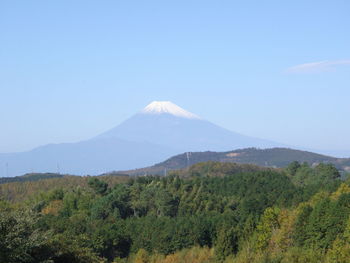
{"x":260,"y":158}
{"x":86,"y":157}
{"x":273,"y":157}
{"x":162,"y":129}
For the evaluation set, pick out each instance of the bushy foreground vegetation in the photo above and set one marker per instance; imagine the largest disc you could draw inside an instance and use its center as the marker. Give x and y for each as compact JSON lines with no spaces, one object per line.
{"x":212,"y":212}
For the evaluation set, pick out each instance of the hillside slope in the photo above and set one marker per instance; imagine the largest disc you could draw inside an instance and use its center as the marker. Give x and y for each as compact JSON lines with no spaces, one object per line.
{"x":274,"y":157}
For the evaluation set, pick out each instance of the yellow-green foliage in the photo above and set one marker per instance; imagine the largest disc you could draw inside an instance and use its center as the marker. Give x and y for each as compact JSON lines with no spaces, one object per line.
{"x":301,"y":255}
{"x":20,"y":191}
{"x":268,"y":224}
{"x":53,"y":207}
{"x":192,"y":255}
{"x":343,"y":189}
{"x":281,"y":238}
{"x":273,"y":239}
{"x":347,"y":231}
{"x":318,"y":197}
{"x":339,"y":253}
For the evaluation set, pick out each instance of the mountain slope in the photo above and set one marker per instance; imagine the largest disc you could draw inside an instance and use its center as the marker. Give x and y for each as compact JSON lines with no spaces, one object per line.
{"x":86,"y":157}
{"x":160,"y":130}
{"x":275,"y":157}
{"x":181,"y":130}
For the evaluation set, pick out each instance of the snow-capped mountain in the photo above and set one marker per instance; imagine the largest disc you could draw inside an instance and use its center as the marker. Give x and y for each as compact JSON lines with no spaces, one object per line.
{"x":165,"y":123}
{"x":160,"y":107}
{"x":160,"y":130}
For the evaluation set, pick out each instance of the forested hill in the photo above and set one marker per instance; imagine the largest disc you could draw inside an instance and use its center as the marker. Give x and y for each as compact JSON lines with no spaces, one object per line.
{"x":274,"y":157}
{"x":23,"y":189}
{"x":32,"y":177}
{"x":26,"y":186}
{"x":212,"y":212}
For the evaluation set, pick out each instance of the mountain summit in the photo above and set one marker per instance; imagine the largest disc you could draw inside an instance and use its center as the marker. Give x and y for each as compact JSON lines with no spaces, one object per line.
{"x":164,"y":123}
{"x":159,"y":107}
{"x":162,"y":129}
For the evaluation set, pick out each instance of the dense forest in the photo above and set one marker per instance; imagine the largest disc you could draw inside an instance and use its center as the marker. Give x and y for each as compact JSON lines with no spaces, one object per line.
{"x":211,"y":212}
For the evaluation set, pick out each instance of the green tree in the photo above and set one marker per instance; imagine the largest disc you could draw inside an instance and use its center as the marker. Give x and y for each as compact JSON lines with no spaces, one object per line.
{"x":326,"y":172}
{"x":300,"y":234}
{"x":293,"y":167}
{"x":267,"y":224}
{"x":100,"y":187}
{"x":20,"y":241}
{"x":226,"y":243}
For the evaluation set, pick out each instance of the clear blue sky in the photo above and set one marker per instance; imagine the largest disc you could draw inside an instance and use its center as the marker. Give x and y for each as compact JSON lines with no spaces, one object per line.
{"x":70,"y":70}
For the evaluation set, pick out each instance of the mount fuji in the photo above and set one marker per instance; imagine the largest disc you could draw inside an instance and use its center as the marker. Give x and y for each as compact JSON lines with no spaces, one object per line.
{"x":160,"y":130}
{"x":165,"y":123}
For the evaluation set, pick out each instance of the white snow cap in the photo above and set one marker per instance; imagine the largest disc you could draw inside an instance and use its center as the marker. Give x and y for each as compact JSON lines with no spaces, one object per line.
{"x":159,"y":107}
